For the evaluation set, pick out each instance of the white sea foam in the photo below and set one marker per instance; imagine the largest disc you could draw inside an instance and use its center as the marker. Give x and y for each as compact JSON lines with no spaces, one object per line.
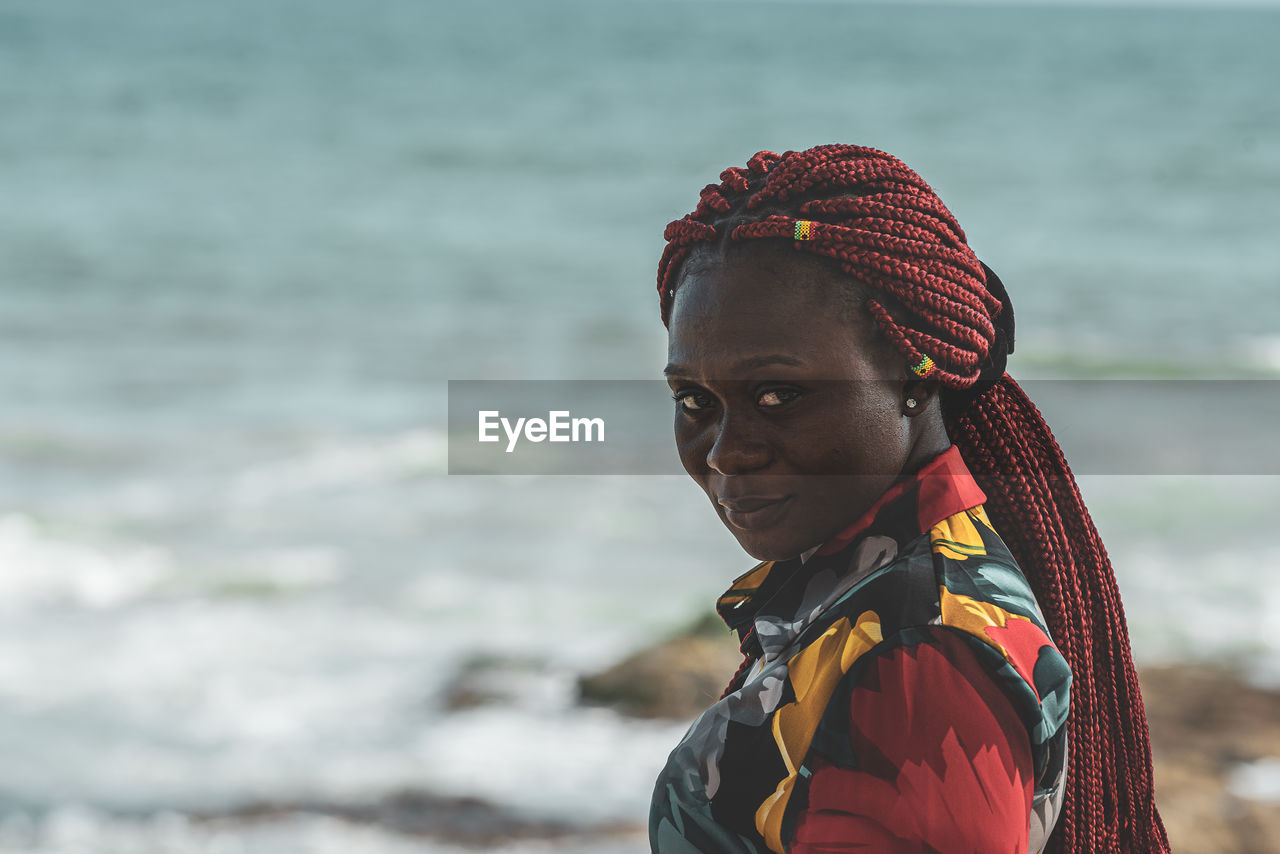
{"x":202,"y":701}
{"x":1174,"y":615}
{"x":590,"y":763}
{"x":1256,"y":781}
{"x":1196,"y":565}
{"x":196,"y":701}
{"x":38,"y":567}
{"x":1262,"y":352}
{"x":341,"y":464}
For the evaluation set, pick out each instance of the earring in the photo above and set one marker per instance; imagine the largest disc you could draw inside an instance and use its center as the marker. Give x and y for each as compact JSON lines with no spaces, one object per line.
{"x":912,"y":403}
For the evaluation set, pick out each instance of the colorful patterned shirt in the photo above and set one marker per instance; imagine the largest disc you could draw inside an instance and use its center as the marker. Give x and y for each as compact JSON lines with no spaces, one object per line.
{"x":905,"y":695}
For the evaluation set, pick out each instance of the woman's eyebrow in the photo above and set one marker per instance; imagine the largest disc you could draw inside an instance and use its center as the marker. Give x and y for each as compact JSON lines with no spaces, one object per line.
{"x":751,"y":364}
{"x":756,"y":362}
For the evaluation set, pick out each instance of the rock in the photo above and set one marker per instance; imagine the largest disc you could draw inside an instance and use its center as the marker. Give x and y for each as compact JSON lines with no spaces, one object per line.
{"x":1206,"y":722}
{"x":485,"y":680}
{"x":467,"y":822}
{"x":676,"y":678}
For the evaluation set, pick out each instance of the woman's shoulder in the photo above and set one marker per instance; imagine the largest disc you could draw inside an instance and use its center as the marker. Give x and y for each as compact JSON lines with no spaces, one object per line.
{"x":983,"y":595}
{"x":959,"y":578}
{"x":982,"y":592}
{"x":972,"y":564}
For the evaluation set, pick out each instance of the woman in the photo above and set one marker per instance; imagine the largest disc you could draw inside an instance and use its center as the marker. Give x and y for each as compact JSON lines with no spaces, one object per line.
{"x":913,"y":680}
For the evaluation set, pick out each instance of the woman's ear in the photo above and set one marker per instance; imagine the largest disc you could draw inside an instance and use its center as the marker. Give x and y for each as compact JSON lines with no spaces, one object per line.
{"x":917,"y":396}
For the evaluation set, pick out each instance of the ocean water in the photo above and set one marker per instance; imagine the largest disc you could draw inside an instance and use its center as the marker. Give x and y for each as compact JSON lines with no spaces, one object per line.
{"x":244,"y":245}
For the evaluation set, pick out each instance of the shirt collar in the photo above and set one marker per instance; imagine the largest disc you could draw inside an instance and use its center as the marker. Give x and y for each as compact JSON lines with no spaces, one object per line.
{"x":942,"y":488}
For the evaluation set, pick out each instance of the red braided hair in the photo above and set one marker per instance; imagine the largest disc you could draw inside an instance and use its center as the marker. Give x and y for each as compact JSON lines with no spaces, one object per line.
{"x":887,"y":229}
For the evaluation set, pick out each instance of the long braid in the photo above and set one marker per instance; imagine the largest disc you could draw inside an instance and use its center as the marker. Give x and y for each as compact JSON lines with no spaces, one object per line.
{"x":886,"y":228}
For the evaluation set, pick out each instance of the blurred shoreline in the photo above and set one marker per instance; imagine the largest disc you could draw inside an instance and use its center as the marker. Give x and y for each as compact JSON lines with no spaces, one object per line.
{"x":1215,"y":737}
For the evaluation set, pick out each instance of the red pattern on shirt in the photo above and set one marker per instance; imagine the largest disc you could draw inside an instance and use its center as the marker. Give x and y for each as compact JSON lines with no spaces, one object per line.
{"x":945,"y":763}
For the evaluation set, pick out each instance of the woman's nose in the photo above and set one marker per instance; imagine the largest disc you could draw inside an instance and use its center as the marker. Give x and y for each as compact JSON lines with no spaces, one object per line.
{"x":739,"y":446}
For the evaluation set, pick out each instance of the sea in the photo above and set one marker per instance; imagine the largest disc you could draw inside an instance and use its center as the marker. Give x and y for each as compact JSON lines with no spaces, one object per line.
{"x":245,"y":246}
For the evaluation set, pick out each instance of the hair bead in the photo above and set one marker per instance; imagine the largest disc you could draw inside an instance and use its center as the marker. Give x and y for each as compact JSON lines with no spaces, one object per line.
{"x":804,"y":229}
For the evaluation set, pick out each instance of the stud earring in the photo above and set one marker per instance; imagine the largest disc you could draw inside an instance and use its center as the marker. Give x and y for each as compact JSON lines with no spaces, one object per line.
{"x":912,"y":403}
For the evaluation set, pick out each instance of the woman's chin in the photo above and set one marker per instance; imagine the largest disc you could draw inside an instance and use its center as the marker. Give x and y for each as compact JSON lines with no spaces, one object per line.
{"x":763,"y":547}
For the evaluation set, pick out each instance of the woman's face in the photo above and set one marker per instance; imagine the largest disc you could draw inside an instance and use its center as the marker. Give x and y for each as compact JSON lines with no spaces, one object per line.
{"x":790,"y":407}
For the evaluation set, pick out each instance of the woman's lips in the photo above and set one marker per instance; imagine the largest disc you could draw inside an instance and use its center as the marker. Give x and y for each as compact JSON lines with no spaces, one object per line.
{"x":754,"y":513}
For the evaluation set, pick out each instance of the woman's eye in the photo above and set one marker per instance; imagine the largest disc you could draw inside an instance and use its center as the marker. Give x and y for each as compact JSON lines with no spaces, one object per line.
{"x":777,"y":397}
{"x":692,"y":401}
